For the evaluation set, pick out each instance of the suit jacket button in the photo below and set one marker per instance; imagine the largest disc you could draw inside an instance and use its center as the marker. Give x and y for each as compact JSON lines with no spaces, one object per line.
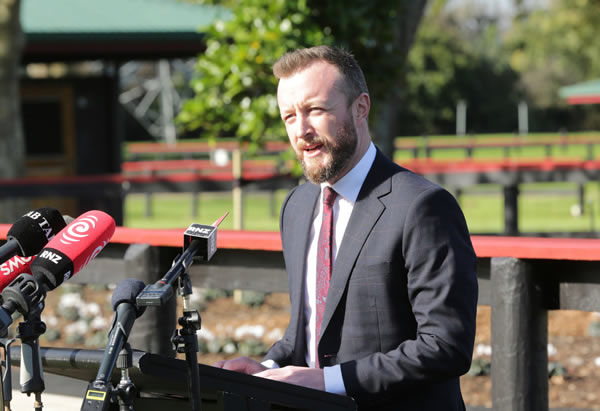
{"x":328,"y":360}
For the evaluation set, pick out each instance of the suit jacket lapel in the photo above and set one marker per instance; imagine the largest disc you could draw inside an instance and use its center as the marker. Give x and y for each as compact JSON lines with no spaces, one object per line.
{"x":304,"y":204}
{"x":302,"y":214}
{"x":367,"y":210}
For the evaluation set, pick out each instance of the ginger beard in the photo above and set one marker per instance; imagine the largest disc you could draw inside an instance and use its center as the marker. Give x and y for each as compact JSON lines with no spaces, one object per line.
{"x":336,"y":156}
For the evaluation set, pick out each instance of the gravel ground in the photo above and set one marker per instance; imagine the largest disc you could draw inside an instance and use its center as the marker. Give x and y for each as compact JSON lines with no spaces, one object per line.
{"x":573,"y":348}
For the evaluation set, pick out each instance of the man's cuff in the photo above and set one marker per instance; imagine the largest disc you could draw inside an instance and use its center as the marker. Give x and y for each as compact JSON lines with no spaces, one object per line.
{"x":334,"y":383}
{"x":271,"y":364}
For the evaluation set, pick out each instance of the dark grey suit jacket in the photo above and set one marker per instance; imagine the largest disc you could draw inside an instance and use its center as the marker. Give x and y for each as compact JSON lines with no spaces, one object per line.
{"x":400,"y":312}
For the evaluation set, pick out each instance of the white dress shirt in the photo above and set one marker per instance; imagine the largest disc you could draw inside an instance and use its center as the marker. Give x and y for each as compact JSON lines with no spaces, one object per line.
{"x":347,"y":188}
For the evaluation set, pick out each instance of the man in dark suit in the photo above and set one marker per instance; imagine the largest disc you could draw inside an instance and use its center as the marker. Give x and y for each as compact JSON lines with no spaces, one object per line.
{"x":380,"y":257}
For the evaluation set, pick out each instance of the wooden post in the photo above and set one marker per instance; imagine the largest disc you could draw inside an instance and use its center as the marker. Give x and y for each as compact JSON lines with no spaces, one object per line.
{"x":461,"y":118}
{"x":238,"y":204}
{"x":469,"y":151}
{"x":590,"y":152}
{"x":148,"y":198}
{"x":511,"y":209}
{"x":195,"y":203}
{"x":415,"y":152}
{"x":523,"y":118}
{"x":238,"y":198}
{"x":196,"y":196}
{"x":581,"y":197}
{"x":519,"y":338}
{"x":272,"y":204}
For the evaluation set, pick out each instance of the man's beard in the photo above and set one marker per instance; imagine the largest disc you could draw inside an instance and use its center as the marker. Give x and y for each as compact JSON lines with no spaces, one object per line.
{"x":341,"y":151}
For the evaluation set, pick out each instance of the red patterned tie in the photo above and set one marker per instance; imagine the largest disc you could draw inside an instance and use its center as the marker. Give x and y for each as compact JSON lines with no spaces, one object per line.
{"x":324,"y":256}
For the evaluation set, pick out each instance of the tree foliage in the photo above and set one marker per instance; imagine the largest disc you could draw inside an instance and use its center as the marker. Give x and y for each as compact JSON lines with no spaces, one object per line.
{"x":555,"y":47}
{"x":458,"y":55}
{"x":235,"y":91}
{"x":380,"y":34}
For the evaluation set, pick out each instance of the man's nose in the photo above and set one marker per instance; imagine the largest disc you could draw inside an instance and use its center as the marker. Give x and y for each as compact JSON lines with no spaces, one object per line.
{"x":304,"y":127}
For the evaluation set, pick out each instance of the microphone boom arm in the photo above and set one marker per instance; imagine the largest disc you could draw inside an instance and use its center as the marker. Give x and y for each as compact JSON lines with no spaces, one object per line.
{"x":159,"y":293}
{"x":200,"y":243}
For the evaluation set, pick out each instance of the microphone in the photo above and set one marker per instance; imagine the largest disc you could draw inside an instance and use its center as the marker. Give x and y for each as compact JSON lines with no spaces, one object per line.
{"x":73,"y":248}
{"x":126,"y":311}
{"x":123,"y":302}
{"x":64,"y":256}
{"x":200,"y":244}
{"x":13,"y":267}
{"x":31,"y":300}
{"x":31,"y":232}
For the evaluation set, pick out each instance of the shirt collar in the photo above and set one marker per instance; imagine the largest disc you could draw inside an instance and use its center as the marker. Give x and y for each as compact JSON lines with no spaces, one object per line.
{"x":350,"y":184}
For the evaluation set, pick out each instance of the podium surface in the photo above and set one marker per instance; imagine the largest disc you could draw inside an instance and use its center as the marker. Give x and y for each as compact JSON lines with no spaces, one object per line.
{"x":162,"y":382}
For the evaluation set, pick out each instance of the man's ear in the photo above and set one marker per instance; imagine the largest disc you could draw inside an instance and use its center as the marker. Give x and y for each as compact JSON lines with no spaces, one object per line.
{"x":361,"y":108}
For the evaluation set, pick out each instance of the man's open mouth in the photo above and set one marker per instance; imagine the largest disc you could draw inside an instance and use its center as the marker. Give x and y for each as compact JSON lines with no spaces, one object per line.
{"x":313,"y":147}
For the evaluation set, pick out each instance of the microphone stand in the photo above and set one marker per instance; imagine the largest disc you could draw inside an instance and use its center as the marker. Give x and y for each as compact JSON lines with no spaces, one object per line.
{"x":6,"y":380}
{"x":185,"y":340}
{"x":32,"y":375}
{"x":25,"y":295}
{"x":125,"y":390}
{"x":101,"y":395}
{"x":200,"y":243}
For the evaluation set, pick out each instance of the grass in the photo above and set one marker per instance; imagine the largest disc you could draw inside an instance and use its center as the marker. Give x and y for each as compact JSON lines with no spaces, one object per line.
{"x":543,"y":207}
{"x":261,"y":210}
{"x":571,"y":151}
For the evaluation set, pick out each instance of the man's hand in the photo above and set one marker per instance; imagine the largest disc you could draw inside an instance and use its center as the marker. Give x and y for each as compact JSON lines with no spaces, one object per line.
{"x":241,"y":364}
{"x":304,"y":376}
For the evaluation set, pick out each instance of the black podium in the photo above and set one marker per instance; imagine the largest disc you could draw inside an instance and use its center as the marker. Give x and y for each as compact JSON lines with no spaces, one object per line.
{"x":162,"y":383}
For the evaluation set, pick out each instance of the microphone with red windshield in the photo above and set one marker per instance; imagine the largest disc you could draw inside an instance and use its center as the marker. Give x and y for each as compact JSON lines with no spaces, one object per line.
{"x":73,"y":248}
{"x":13,"y":267}
{"x":63,"y":257}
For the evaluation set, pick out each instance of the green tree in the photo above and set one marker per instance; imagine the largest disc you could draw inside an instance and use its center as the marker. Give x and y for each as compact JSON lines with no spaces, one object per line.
{"x":380,"y":34}
{"x":235,"y":91}
{"x":555,"y":47}
{"x":458,"y":55}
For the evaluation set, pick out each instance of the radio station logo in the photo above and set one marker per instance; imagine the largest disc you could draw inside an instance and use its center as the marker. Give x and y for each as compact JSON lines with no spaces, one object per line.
{"x":77,"y":230}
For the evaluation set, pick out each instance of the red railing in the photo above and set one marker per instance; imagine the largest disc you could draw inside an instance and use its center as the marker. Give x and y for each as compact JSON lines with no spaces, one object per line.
{"x":485,"y":246}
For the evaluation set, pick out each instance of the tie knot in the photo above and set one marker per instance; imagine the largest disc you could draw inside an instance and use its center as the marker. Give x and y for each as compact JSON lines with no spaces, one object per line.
{"x":329,"y":195}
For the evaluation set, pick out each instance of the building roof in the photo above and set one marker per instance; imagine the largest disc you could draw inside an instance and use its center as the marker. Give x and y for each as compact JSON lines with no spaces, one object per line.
{"x":114,"y":29}
{"x":587,"y":92}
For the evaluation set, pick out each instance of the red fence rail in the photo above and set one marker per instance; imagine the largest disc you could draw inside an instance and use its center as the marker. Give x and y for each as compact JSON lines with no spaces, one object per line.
{"x":580,"y":249}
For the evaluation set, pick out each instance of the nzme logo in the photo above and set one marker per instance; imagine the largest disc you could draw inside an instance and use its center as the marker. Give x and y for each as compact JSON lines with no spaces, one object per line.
{"x":78,"y":229}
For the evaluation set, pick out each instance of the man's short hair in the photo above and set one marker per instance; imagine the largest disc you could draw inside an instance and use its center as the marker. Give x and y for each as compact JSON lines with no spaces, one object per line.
{"x":297,"y":60}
